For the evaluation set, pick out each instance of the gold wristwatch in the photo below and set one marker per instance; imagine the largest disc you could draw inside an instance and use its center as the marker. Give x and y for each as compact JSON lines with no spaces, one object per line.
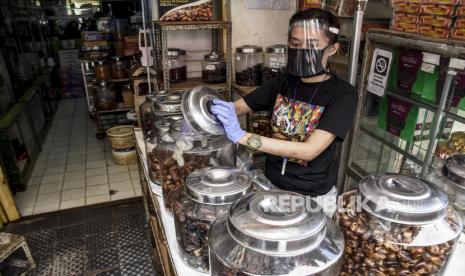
{"x":254,"y":142}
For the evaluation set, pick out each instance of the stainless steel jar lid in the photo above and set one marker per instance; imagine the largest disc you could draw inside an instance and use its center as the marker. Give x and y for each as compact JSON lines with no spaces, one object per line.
{"x":402,"y":199}
{"x":196,"y":104}
{"x":218,"y":185}
{"x":276,"y":49}
{"x":170,"y":102}
{"x":174,"y":52}
{"x":249,"y":49}
{"x":213,"y":56}
{"x":161,"y":127}
{"x":269,"y":222}
{"x":454,"y":169}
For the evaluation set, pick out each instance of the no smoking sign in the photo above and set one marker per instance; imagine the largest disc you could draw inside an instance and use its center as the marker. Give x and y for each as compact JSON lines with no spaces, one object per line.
{"x":378,"y":75}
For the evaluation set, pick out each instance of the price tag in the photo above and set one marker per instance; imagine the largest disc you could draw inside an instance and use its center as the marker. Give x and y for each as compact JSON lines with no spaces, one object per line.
{"x":379,"y":72}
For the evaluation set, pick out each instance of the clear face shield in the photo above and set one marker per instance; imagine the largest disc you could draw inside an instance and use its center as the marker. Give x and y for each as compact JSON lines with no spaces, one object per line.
{"x":308,"y":40}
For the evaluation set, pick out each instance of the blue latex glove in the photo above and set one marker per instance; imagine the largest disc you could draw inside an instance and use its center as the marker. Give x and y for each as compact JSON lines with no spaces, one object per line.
{"x":226,"y":113}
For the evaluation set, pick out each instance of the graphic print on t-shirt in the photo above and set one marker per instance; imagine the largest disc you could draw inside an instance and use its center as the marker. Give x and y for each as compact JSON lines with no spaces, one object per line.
{"x":294,"y":120}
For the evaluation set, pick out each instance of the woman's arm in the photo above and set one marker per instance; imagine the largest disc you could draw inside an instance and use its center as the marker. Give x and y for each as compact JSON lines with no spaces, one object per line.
{"x":241,"y":107}
{"x":318,"y":141}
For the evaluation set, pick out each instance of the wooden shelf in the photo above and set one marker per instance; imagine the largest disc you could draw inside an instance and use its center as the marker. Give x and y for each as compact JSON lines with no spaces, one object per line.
{"x":191,"y":25}
{"x":114,"y":110}
{"x":244,"y":90}
{"x":193,"y":82}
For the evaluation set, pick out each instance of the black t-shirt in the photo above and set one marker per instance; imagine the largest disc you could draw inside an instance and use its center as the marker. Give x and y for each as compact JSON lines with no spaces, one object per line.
{"x":298,"y":109}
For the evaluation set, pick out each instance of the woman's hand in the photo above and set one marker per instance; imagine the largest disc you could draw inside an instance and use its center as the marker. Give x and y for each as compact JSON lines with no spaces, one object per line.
{"x":226,"y":113}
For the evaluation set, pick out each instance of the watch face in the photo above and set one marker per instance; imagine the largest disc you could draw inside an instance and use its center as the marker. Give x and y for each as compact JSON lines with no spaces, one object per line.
{"x":254,"y":143}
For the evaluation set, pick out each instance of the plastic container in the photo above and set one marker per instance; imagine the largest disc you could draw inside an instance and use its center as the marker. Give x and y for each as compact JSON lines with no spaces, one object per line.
{"x":128,"y":96}
{"x":176,"y":61}
{"x":104,"y":96}
{"x":213,"y":68}
{"x":249,"y":64}
{"x":275,"y":61}
{"x":208,"y":194}
{"x":102,"y":71}
{"x":263,"y":234}
{"x":119,"y":68}
{"x":403,"y":227}
{"x":181,"y":152}
{"x":122,"y":143}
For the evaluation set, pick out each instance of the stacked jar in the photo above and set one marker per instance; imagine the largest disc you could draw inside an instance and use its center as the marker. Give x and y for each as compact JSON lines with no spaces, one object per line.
{"x":402,"y":226}
{"x":180,"y":153}
{"x":166,"y":109}
{"x":249,"y":64}
{"x":275,"y":233}
{"x":119,"y":68}
{"x":275,"y":61}
{"x":176,"y":62}
{"x":260,"y":123}
{"x":102,"y":71}
{"x":213,"y":68}
{"x":208,"y":194}
{"x":104,"y":96}
{"x":146,"y":115}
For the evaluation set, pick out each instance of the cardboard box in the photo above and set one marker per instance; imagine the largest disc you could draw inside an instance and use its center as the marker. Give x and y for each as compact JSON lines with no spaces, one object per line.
{"x":435,"y":21}
{"x":444,"y":10}
{"x":186,"y":10}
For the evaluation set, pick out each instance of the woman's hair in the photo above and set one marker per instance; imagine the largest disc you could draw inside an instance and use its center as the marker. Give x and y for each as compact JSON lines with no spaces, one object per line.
{"x":323,"y":16}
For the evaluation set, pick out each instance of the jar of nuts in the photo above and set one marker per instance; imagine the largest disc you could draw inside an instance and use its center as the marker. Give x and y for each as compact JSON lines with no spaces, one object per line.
{"x":176,"y":62}
{"x":249,"y":63}
{"x":275,"y":233}
{"x":397,"y":225}
{"x":182,"y":151}
{"x":275,"y":61}
{"x":208,"y":194}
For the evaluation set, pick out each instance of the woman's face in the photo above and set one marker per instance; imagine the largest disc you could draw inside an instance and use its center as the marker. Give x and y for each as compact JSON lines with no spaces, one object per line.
{"x":302,"y":37}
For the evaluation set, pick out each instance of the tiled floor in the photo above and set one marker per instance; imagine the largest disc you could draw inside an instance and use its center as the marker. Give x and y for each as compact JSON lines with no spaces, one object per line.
{"x":75,"y":168}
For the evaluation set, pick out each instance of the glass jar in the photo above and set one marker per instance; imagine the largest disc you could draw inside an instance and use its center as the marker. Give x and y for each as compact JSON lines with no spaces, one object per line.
{"x":213,"y":68}
{"x":119,"y":68}
{"x":159,"y":128}
{"x":176,"y":61}
{"x":265,"y":234}
{"x":260,"y":123}
{"x":102,"y":71}
{"x":275,"y":61}
{"x":249,"y":63}
{"x":181,"y":152}
{"x":403,"y":227}
{"x":128,"y":95}
{"x":146,"y":115}
{"x":451,"y":180}
{"x":104,"y":96}
{"x":208,"y":194}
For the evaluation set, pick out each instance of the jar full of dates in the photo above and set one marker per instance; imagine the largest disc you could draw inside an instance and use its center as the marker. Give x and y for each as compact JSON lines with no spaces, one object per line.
{"x":102,"y":71}
{"x":213,"y":68}
{"x":397,"y":225}
{"x":260,"y":123}
{"x":104,"y":96}
{"x":275,"y":233}
{"x":119,"y":68}
{"x":275,"y":61}
{"x":248,"y":65}
{"x":159,"y":128}
{"x":146,"y":114}
{"x":208,"y":194}
{"x":176,"y":62}
{"x":451,"y":180}
{"x":182,"y":151}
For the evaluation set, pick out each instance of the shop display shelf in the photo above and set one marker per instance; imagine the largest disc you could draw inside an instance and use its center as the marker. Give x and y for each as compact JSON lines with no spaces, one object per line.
{"x":191,"y":25}
{"x":193,"y":82}
{"x":243,"y":90}
{"x":413,"y":99}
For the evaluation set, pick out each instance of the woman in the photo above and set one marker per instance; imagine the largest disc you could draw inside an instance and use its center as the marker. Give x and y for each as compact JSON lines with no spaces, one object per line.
{"x":312,"y":110}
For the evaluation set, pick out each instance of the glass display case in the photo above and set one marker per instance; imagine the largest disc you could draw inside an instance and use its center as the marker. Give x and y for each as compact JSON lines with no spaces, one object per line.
{"x":410,"y":101}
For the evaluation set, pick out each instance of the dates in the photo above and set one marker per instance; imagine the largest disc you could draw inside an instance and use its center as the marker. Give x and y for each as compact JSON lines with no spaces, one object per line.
{"x":202,"y":12}
{"x":154,"y":166}
{"x":251,"y":76}
{"x":375,"y":247}
{"x":173,"y":175}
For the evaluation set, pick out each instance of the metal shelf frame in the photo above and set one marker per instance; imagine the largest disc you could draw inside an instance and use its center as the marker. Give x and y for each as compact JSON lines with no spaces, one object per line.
{"x":394,"y":39}
{"x":221,"y":43}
